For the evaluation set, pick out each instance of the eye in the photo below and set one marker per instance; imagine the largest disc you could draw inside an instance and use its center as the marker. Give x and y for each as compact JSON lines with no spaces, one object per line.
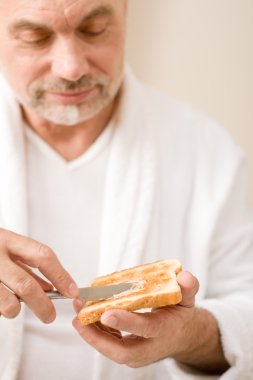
{"x":94,"y":33}
{"x":38,"y":42}
{"x":34,"y":38}
{"x":94,"y":28}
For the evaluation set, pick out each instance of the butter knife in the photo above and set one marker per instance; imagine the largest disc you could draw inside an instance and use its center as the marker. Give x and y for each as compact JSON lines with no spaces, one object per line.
{"x":94,"y":293}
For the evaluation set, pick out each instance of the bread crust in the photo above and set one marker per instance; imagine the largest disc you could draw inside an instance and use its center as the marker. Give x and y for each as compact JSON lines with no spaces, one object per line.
{"x":155,"y":285}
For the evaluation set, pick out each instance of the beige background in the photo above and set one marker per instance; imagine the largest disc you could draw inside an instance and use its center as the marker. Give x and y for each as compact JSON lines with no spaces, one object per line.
{"x":200,"y":51}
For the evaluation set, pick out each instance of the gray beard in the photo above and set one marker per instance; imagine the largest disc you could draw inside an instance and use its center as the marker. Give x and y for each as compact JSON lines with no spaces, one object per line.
{"x":70,"y":115}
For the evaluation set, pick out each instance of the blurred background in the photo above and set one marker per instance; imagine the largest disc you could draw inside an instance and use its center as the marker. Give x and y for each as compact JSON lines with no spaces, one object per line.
{"x":199,"y":51}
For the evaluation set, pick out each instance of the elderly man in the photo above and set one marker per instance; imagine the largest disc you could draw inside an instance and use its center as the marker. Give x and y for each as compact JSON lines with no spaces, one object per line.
{"x":97,"y":173}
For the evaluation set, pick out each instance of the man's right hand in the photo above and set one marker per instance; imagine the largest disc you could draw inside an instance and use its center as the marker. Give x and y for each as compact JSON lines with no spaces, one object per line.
{"x":18,"y":254}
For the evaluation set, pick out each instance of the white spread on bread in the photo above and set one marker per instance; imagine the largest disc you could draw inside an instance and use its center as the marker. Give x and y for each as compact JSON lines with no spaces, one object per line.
{"x":137,"y":286}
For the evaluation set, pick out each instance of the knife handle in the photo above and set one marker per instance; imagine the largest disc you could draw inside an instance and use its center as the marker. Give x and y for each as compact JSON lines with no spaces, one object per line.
{"x":53,"y":295}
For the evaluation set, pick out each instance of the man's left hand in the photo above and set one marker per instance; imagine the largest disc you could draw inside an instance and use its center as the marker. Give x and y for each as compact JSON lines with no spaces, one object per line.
{"x":171,"y":331}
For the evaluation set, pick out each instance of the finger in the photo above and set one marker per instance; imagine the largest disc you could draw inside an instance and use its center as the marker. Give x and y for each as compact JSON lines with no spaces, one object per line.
{"x":107,"y":344}
{"x":46,"y":286}
{"x":189,"y":286}
{"x":78,"y":304}
{"x":145,"y":325}
{"x":129,"y":350}
{"x":9,"y":304}
{"x":26,"y":288}
{"x":110,"y":330}
{"x":52,"y":269}
{"x":39,"y":256}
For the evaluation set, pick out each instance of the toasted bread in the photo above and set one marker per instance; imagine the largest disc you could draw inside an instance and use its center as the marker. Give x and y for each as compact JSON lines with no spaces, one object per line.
{"x":154,"y":285}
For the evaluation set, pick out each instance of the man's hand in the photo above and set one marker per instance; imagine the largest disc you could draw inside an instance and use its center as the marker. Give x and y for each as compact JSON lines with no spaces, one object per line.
{"x":17,"y":255}
{"x":182,"y":332}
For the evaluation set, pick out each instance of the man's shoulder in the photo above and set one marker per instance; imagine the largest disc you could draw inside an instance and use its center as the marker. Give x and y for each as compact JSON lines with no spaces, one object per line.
{"x":175,"y":114}
{"x":176,"y":122}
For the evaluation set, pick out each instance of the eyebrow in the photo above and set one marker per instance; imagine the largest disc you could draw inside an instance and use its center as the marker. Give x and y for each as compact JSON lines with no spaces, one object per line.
{"x":101,"y":11}
{"x":24,"y":24}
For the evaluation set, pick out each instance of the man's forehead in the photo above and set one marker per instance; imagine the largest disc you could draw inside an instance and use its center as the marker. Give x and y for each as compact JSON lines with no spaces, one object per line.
{"x":59,"y":6}
{"x":55,"y":14}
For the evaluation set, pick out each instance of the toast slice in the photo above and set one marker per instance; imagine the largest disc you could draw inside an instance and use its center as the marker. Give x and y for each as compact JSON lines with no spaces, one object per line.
{"x":154,"y":285}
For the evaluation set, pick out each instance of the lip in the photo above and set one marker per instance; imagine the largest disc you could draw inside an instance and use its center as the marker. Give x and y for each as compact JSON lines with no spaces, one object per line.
{"x":70,"y":97}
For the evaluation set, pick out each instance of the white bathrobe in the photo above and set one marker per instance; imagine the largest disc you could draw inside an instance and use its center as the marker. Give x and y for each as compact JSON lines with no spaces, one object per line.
{"x":176,"y":188}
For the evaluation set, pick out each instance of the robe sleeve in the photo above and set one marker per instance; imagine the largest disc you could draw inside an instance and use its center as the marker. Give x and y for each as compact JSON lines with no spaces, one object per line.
{"x":229,"y":296}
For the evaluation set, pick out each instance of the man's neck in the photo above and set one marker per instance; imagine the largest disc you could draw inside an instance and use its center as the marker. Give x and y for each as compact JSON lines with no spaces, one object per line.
{"x":70,"y":141}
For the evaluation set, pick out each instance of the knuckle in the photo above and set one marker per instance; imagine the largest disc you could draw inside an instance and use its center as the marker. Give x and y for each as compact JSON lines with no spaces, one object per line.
{"x":130,"y":359}
{"x":148,"y":331}
{"x":135,"y":358}
{"x":127,"y":357}
{"x":27,"y":287}
{"x":61,"y":277}
{"x":121,"y":359}
{"x":133,"y":365}
{"x":45,"y":252}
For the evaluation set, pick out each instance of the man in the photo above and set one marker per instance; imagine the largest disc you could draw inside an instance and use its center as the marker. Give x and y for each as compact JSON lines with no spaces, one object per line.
{"x":99,"y":173}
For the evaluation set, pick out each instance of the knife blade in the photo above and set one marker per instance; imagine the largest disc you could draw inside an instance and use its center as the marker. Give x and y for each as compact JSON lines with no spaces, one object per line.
{"x":94,"y":293}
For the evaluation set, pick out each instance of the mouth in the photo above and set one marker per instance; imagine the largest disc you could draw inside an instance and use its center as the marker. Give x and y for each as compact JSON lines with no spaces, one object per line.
{"x":70,"y":97}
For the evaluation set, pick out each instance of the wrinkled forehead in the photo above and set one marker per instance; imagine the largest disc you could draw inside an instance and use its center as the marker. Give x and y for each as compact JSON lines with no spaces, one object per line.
{"x":51,"y":10}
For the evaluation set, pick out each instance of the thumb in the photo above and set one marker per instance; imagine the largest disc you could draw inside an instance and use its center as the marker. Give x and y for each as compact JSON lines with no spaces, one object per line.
{"x":189,"y":286}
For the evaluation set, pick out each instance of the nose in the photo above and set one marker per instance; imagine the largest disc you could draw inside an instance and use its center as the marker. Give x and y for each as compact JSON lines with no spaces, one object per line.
{"x":69,"y":61}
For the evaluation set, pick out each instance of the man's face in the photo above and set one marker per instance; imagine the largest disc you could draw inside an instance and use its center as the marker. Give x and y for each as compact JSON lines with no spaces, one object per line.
{"x":63,"y":58}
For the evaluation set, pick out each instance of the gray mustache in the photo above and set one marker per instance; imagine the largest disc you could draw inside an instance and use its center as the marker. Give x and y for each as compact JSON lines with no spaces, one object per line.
{"x":63,"y":85}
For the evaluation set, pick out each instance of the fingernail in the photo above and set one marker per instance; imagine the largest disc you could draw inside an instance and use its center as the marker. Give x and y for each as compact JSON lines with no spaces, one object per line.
{"x":51,"y":318}
{"x":79,"y":303}
{"x":73,"y":290}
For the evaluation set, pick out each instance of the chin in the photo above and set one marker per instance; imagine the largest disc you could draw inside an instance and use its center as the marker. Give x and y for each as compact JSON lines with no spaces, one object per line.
{"x":69,"y":115}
